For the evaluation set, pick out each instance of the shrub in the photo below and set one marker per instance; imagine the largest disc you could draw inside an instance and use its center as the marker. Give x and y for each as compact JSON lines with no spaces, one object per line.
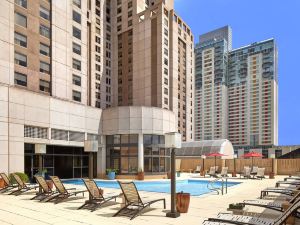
{"x":23,"y":177}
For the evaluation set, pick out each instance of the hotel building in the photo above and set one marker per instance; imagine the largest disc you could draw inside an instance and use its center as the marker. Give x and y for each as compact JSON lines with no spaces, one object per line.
{"x":236,"y":91}
{"x":119,"y":73}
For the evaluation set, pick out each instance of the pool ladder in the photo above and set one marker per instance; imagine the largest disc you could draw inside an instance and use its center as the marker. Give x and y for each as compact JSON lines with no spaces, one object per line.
{"x":222,"y":189}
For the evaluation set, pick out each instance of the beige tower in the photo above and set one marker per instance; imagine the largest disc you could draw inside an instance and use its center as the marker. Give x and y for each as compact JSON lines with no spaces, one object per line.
{"x":153,"y":59}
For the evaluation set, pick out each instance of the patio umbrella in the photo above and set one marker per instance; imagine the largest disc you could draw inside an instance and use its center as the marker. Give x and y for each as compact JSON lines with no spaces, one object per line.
{"x":215,"y":154}
{"x":252,"y":155}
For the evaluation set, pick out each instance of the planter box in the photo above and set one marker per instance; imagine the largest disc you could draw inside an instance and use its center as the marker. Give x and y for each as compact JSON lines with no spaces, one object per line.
{"x":2,"y":183}
{"x":182,"y":202}
{"x":236,"y":211}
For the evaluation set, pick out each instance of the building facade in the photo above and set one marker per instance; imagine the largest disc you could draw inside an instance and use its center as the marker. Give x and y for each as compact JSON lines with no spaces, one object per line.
{"x":236,"y":90}
{"x":74,"y":71}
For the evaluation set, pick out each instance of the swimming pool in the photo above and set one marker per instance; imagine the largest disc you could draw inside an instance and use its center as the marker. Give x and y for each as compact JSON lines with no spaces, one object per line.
{"x":194,"y":187}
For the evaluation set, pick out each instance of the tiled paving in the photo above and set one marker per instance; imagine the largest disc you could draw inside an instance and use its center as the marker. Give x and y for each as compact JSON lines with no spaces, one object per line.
{"x":22,"y":211}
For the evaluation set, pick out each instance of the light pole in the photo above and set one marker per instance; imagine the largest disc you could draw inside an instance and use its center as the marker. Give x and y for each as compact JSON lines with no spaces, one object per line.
{"x":173,"y":141}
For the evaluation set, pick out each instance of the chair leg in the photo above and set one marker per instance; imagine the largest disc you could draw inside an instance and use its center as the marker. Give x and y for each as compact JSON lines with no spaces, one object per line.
{"x":120,"y":210}
{"x":86,"y":203}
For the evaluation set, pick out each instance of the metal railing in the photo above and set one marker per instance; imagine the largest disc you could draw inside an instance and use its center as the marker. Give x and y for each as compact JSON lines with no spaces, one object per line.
{"x":222,"y":189}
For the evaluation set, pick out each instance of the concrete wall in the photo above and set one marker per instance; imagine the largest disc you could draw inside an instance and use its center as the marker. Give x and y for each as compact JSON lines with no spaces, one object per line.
{"x":20,"y":107}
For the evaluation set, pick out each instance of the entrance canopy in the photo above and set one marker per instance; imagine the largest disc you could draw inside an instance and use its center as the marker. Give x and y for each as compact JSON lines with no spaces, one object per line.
{"x":199,"y":148}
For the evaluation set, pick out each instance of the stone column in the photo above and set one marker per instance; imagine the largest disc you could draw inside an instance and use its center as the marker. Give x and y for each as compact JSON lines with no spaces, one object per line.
{"x":141,"y":153}
{"x":101,"y":158}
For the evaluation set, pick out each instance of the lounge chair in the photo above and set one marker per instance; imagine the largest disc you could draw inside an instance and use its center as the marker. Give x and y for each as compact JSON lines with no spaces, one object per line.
{"x":254,"y":170}
{"x":246,"y":172}
{"x":198,"y":169}
{"x":225,"y":219}
{"x":22,"y":187}
{"x":62,"y":192}
{"x":212,"y":171}
{"x":276,"y":205}
{"x":7,"y":183}
{"x":283,"y":191}
{"x":134,"y":205}
{"x":224,"y":172}
{"x":96,"y":198}
{"x":292,"y":178}
{"x":45,"y":191}
{"x":260,"y":173}
{"x":296,"y":183}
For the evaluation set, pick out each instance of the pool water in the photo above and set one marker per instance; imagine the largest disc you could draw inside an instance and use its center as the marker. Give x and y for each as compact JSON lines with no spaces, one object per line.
{"x":194,"y":187}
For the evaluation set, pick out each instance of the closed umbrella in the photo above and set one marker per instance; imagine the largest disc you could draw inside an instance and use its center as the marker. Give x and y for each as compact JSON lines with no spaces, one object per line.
{"x":252,"y":155}
{"x":215,"y":154}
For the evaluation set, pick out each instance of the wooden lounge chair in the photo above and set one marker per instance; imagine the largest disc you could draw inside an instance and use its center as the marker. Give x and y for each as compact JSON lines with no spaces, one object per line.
{"x":45,"y":190}
{"x":238,"y":219}
{"x":260,"y":173}
{"x":62,"y":192}
{"x":284,"y":191}
{"x":296,"y":183}
{"x":277,"y":205}
{"x":7,"y":183}
{"x":134,"y":205}
{"x":96,"y":199}
{"x":291,"y":178}
{"x":22,"y":187}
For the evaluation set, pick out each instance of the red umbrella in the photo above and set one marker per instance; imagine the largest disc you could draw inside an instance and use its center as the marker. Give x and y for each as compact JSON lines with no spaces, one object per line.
{"x":252,"y":155}
{"x":215,"y":154}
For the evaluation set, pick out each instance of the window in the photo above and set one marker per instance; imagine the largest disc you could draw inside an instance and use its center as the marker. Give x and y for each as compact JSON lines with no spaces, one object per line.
{"x":20,"y":79}
{"x":166,"y":51}
{"x":76,"y":17}
{"x":166,"y":61}
{"x":44,"y":86}
{"x":44,"y":13}
{"x":22,"y":3}
{"x":45,"y":31}
{"x":77,"y":3}
{"x":76,"y":33}
{"x":166,"y":81}
{"x":77,"y":96}
{"x":76,"y":64}
{"x":44,"y":49}
{"x":20,"y":19}
{"x":44,"y":67}
{"x":76,"y":48}
{"x":76,"y":80}
{"x":20,"y":59}
{"x":20,"y":40}
{"x":166,"y":91}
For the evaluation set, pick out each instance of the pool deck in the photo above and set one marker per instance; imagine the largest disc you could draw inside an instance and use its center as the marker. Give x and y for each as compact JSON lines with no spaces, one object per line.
{"x":19,"y":210}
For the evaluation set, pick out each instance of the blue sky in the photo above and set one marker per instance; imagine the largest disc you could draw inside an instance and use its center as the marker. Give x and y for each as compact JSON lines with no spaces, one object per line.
{"x":256,"y":20}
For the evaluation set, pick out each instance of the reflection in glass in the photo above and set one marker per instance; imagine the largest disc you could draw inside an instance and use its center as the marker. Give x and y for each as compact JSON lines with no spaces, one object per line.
{"x":124,"y":165}
{"x":133,"y":165}
{"x":155,"y":164}
{"x":148,"y":164}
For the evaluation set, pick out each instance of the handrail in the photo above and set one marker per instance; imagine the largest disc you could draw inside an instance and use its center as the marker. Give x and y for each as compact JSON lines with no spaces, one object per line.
{"x":218,"y":190}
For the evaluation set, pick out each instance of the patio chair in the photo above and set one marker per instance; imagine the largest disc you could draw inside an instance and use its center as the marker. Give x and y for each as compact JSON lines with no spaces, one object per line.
{"x":134,"y":205}
{"x":291,"y":178}
{"x":62,"y":192}
{"x":224,"y":172}
{"x":96,"y":198}
{"x":249,"y":220}
{"x":283,"y":191}
{"x":254,"y":170}
{"x":246,"y":172}
{"x":276,"y":205}
{"x":7,"y":183}
{"x":260,"y":173}
{"x":22,"y":187}
{"x":212,"y":171}
{"x":198,"y":169}
{"x":296,"y":183}
{"x":45,"y":190}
